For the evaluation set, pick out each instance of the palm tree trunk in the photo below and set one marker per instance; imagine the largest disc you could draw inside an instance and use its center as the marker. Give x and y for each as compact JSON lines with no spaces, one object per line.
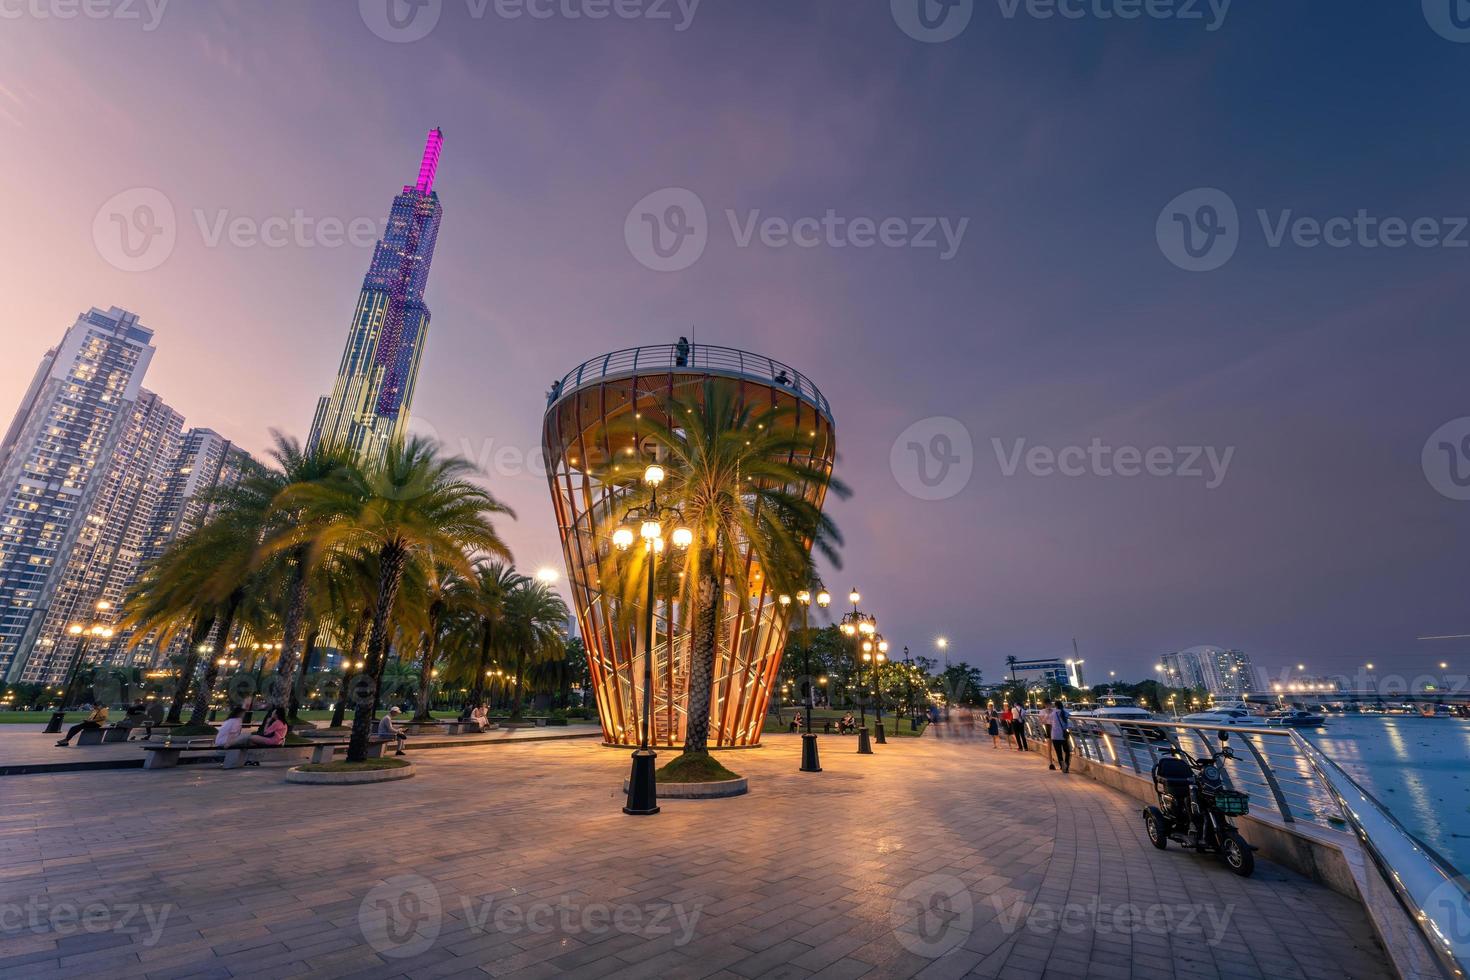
{"x":392,"y":560}
{"x":478,"y":694}
{"x":354,"y":651}
{"x":297,"y":689}
{"x":426,"y":674}
{"x":516,"y":699}
{"x":702,"y":667}
{"x":280,"y":687}
{"x":199,"y":713}
{"x":202,"y":626}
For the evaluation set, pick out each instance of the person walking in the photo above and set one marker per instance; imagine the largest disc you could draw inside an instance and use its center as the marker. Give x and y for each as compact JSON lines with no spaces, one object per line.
{"x":993,"y":725}
{"x":96,"y":719}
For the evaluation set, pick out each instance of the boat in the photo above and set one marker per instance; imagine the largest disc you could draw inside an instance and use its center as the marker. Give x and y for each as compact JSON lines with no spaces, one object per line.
{"x":1118,"y":712}
{"x":1220,"y":716}
{"x":1296,"y":718}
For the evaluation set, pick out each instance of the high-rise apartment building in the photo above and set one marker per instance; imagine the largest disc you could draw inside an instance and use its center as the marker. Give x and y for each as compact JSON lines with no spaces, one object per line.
{"x":53,"y":464}
{"x":369,"y":404}
{"x":1224,"y":673}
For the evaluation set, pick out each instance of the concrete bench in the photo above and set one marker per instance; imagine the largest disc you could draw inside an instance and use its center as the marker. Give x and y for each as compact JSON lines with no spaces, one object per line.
{"x":160,"y":755}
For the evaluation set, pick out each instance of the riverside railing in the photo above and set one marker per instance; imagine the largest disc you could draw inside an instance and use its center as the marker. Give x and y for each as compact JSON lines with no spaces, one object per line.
{"x":1292,"y":781}
{"x":695,"y":359}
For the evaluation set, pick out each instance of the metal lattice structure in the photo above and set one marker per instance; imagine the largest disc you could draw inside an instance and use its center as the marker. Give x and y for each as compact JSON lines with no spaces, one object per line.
{"x":602,"y":394}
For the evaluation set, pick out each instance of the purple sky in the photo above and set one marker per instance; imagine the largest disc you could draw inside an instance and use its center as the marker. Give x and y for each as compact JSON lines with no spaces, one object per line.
{"x":1059,"y":319}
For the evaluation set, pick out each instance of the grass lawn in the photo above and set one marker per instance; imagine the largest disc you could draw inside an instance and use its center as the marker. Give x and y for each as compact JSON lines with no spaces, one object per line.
{"x":694,"y":769}
{"x":891,"y":726}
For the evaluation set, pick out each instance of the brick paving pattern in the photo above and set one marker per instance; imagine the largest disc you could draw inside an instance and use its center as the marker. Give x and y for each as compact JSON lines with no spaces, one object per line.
{"x":932,"y":858}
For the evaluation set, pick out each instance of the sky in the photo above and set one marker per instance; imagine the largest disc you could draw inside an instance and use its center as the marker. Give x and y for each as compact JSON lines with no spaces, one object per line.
{"x":1221,"y":248}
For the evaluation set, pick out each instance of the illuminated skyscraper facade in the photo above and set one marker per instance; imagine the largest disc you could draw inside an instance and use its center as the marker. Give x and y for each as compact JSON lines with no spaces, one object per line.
{"x":369,"y":404}
{"x":54,"y":463}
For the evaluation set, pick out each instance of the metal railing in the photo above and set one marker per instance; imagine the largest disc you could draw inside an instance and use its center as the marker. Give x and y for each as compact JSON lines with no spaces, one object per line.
{"x":1293,"y":782}
{"x":695,"y":359}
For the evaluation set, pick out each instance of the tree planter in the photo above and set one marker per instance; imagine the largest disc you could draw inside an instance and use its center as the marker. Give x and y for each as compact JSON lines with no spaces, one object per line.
{"x":298,"y":775}
{"x":700,"y":791}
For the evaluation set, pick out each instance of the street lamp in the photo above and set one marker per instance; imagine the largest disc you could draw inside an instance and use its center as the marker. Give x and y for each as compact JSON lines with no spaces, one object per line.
{"x":880,"y":656}
{"x":855,"y":624}
{"x":96,"y":630}
{"x":642,"y":786}
{"x":809,"y":760}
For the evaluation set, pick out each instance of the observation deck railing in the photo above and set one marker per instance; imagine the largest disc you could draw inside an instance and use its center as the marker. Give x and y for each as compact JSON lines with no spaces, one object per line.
{"x":1292,"y":781}
{"x":695,"y":359}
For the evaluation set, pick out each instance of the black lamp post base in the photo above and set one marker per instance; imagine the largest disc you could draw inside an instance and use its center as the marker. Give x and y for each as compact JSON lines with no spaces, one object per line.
{"x":882,"y":739}
{"x":809,"y":760}
{"x":864,"y":746}
{"x":642,"y":787}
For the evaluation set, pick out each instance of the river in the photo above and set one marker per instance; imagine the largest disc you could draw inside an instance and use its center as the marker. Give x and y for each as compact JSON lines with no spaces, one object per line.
{"x":1417,"y":767}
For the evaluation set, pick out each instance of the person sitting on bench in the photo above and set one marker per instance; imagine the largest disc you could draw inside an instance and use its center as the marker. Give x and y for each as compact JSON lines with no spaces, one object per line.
{"x":480,"y":718}
{"x":95,"y":720}
{"x":847,"y":725}
{"x":229,"y":732}
{"x":386,"y":729}
{"x":272,"y":732}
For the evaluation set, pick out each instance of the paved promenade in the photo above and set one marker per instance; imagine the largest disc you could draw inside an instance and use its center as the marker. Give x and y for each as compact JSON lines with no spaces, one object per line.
{"x":931,"y":858}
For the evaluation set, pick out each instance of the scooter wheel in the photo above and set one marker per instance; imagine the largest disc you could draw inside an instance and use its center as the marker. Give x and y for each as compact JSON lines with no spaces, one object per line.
{"x":1157,"y":827}
{"x":1238,"y":855}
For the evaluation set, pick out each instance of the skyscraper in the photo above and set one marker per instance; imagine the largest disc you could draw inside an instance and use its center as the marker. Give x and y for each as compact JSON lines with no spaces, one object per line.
{"x":369,"y":404}
{"x":1222,"y":672}
{"x":111,"y":545}
{"x":53,"y":461}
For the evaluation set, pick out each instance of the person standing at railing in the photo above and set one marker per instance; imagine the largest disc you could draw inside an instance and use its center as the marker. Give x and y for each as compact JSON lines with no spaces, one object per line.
{"x":681,"y":352}
{"x":1057,"y":721}
{"x":1018,"y":726}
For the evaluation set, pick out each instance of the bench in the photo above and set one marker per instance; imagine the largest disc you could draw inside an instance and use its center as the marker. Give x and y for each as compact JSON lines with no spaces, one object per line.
{"x":161,"y":755}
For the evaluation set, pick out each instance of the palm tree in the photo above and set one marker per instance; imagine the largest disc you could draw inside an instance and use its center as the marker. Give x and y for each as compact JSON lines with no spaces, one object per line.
{"x":413,"y":504}
{"x":744,"y":478}
{"x":534,"y":619}
{"x":446,"y":602}
{"x":284,"y":541}
{"x":493,"y":582}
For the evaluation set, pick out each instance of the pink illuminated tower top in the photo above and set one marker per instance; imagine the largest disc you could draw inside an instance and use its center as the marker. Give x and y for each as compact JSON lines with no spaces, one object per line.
{"x":430,"y":163}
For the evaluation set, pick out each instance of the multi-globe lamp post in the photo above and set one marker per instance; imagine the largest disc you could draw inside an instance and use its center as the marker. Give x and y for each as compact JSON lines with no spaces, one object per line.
{"x":654,"y":521}
{"x":809,"y":759}
{"x":98,"y":630}
{"x":875,"y":653}
{"x":858,"y":624}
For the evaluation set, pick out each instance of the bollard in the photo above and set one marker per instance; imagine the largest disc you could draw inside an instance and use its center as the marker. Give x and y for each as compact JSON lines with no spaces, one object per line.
{"x":864,"y":747}
{"x":809,"y":760}
{"x":882,"y":739}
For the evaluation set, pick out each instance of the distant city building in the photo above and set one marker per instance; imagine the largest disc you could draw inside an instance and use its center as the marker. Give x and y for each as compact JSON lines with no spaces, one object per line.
{"x":369,"y":404}
{"x":53,"y":464}
{"x":89,"y":479}
{"x":1224,"y":673}
{"x":1048,"y":670}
